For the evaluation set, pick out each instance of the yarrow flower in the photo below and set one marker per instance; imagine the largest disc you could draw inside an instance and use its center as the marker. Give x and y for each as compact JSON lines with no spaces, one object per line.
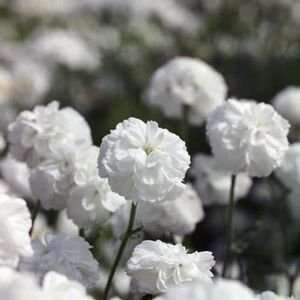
{"x":213,"y":183}
{"x":248,"y":137}
{"x":67,"y":255}
{"x":187,"y":82}
{"x":33,"y":134}
{"x":143,"y":161}
{"x":155,"y":266}
{"x":15,"y":223}
{"x":221,"y":289}
{"x":178,"y":216}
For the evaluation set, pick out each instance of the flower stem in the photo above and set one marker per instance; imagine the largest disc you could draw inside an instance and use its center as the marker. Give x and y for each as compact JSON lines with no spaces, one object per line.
{"x":229,"y":225}
{"x":121,"y":250}
{"x":35,"y":212}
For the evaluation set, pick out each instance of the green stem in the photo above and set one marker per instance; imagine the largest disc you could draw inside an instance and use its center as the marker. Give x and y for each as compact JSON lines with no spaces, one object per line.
{"x":35,"y":212}
{"x":121,"y":250}
{"x":229,"y":226}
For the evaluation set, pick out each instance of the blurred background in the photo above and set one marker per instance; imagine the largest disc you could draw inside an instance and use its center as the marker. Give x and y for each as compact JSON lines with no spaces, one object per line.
{"x":98,"y":56}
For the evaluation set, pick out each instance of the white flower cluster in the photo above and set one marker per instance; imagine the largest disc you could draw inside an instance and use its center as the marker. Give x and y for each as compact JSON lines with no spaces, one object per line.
{"x":143,"y":162}
{"x":156,"y":266}
{"x":64,"y":254}
{"x":57,"y":145}
{"x":248,"y":137}
{"x":187,"y":82}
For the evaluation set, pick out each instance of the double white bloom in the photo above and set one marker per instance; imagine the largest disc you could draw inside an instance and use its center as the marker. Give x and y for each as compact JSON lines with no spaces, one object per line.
{"x":64,"y":254}
{"x":248,"y":137}
{"x":143,"y":161}
{"x":187,"y":82}
{"x":15,"y":223}
{"x":156,"y":266}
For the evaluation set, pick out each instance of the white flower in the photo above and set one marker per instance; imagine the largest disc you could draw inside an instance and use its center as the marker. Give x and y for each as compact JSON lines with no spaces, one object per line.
{"x":16,"y":174}
{"x":15,"y":223}
{"x":155,"y":266}
{"x":18,"y":286}
{"x":6,"y":86}
{"x":222,"y":289}
{"x":65,"y":225}
{"x":34,"y":133}
{"x":248,"y":137}
{"x":67,"y":48}
{"x":31,"y":82}
{"x":143,"y":161}
{"x":178,"y":216}
{"x":190,"y":82}
{"x":213,"y":183}
{"x":52,"y":180}
{"x":58,"y":287}
{"x":93,"y":203}
{"x":67,"y":255}
{"x":287,"y":104}
{"x":289,"y":171}
{"x":272,"y":296}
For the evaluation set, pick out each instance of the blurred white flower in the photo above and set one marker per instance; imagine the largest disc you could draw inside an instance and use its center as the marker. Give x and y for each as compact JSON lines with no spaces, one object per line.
{"x":289,"y":171}
{"x":213,"y":183}
{"x":121,"y":282}
{"x":67,"y":255}
{"x":187,"y":82}
{"x":52,"y":180}
{"x":6,"y":86}
{"x":93,"y":203}
{"x":287,"y":104}
{"x":178,"y":216}
{"x":272,"y":296}
{"x":155,"y":266}
{"x":248,"y":137}
{"x":58,"y":287}
{"x":31,"y":80}
{"x":16,"y":174}
{"x":18,"y":286}
{"x":40,"y":227}
{"x":221,"y":289}
{"x":34,"y":133}
{"x":143,"y":161}
{"x":15,"y":223}
{"x":67,"y":48}
{"x":44,"y":8}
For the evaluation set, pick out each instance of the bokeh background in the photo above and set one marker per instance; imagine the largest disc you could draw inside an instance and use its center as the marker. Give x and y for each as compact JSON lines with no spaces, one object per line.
{"x":98,"y":56}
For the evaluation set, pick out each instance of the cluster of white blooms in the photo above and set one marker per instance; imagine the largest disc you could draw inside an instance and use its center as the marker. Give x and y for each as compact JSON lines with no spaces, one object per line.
{"x":67,"y":255}
{"x":248,"y":137}
{"x":187,"y":82}
{"x":34,"y":134}
{"x":15,"y":223}
{"x":143,"y":162}
{"x":213,"y":183}
{"x":155,"y":266}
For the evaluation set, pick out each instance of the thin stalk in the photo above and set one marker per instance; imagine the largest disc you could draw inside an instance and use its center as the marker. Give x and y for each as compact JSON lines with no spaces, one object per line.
{"x":229,"y":226}
{"x":120,"y":251}
{"x":184,"y":126}
{"x":35,"y":212}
